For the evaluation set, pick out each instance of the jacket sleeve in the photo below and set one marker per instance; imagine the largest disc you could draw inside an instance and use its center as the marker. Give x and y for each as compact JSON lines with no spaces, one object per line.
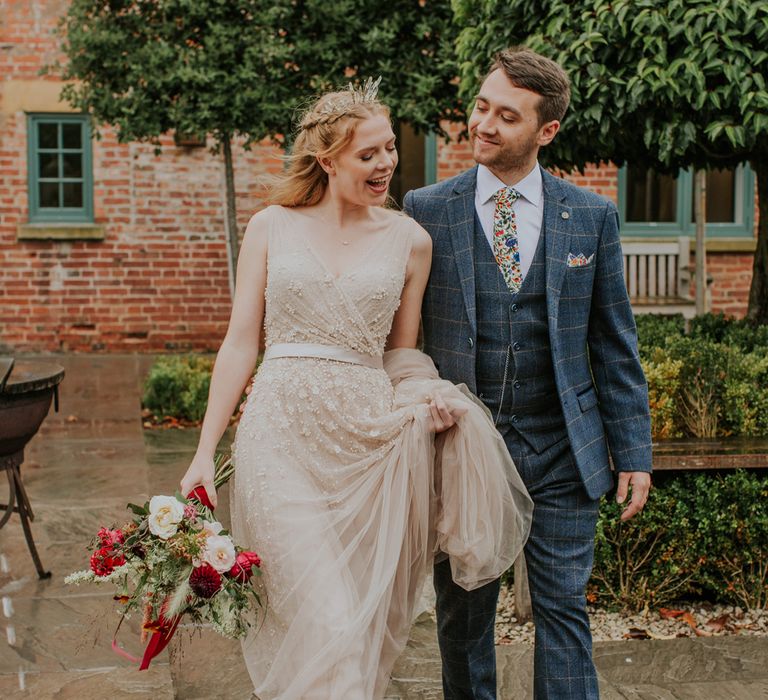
{"x":614,"y":358}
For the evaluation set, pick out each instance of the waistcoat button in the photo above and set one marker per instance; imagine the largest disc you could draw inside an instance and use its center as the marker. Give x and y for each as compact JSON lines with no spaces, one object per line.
{"x":471,"y":343}
{"x":516,"y":346}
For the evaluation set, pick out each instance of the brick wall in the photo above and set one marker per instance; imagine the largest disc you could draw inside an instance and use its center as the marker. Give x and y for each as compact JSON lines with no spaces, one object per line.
{"x":158,"y":280}
{"x":731,"y":275}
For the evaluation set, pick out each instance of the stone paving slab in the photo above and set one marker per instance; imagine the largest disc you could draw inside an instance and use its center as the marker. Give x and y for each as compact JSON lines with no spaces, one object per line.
{"x":90,"y":684}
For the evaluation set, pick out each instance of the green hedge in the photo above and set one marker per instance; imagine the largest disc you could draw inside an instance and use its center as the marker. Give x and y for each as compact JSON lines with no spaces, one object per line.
{"x":711,"y":381}
{"x":700,"y":535}
{"x":178,"y":386}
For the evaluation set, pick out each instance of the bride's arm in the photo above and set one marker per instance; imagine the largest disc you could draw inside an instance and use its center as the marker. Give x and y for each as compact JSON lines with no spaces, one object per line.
{"x":237,"y":355}
{"x":405,"y":326}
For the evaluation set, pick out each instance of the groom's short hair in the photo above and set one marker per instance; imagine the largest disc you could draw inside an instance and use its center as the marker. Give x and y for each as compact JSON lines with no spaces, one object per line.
{"x":531,"y":71}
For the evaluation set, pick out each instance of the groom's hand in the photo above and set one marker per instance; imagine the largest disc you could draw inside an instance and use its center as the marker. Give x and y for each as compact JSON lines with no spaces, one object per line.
{"x":640,"y":484}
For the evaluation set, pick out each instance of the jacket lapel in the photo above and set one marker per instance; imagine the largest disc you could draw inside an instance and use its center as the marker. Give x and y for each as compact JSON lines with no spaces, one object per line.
{"x":557,"y":231}
{"x":461,"y":222}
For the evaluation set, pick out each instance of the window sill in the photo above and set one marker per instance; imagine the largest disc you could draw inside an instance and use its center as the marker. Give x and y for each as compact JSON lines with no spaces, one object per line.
{"x":714,"y":245}
{"x":60,"y":232}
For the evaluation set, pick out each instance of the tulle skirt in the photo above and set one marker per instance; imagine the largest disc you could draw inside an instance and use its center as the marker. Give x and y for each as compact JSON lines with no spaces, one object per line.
{"x":345,"y":494}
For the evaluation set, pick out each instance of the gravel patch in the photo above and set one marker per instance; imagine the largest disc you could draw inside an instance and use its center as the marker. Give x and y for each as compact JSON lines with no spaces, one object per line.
{"x":684,"y":620}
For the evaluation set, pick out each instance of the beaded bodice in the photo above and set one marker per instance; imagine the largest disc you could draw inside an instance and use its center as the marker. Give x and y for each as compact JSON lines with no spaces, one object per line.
{"x":306,"y":303}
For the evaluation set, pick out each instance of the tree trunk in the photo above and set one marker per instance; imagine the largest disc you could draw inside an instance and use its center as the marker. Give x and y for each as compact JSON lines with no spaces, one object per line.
{"x":700,"y":209}
{"x":230,"y":220}
{"x":758,"y":291}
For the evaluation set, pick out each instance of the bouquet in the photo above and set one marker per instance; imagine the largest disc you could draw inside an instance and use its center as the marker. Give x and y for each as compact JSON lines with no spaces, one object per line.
{"x":174,"y":559}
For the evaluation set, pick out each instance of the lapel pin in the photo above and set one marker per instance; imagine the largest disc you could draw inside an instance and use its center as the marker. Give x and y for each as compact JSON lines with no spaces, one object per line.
{"x":565,"y":215}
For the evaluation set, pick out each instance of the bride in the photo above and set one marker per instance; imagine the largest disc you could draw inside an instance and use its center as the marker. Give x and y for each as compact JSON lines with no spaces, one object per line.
{"x":340,"y":483}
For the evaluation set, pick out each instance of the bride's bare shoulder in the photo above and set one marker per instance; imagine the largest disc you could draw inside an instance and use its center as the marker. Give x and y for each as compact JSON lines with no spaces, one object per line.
{"x":420,"y":239}
{"x":261,"y":221}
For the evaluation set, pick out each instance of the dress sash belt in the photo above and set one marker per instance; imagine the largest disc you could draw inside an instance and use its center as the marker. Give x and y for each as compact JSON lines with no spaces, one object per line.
{"x":324,"y":352}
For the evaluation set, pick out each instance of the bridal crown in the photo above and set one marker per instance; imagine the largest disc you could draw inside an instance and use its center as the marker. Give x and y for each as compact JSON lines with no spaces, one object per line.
{"x":342,"y":103}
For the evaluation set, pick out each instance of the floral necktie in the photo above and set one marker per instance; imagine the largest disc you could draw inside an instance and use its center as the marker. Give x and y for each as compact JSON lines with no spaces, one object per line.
{"x":505,"y":243}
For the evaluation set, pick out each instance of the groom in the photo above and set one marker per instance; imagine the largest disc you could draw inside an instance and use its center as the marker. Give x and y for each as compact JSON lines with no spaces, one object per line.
{"x":526,"y":304}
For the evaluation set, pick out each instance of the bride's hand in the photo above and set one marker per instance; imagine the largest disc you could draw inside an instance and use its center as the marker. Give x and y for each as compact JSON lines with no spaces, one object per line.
{"x":200,"y":473}
{"x":442,"y":416}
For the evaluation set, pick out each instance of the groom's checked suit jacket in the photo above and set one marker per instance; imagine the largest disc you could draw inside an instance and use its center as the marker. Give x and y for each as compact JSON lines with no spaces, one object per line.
{"x":600,"y":384}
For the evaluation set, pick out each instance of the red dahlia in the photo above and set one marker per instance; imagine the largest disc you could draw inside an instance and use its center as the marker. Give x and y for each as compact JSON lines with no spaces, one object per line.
{"x":205,"y":581}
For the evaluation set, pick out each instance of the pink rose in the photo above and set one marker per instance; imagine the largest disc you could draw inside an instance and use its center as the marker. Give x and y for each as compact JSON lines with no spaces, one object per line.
{"x":109,"y":538}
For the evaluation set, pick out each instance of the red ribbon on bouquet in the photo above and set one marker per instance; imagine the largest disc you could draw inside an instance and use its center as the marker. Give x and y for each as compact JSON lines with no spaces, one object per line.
{"x":164,"y":629}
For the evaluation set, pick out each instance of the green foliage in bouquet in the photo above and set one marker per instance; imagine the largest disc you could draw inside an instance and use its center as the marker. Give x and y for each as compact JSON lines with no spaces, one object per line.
{"x":178,"y":386}
{"x":698,"y":535}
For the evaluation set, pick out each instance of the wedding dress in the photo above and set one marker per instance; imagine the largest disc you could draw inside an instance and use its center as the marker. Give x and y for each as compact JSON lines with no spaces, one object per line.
{"x":338,"y":483}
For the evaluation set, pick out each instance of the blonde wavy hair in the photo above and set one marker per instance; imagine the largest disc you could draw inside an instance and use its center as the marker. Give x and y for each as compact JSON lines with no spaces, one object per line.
{"x":324,"y":131}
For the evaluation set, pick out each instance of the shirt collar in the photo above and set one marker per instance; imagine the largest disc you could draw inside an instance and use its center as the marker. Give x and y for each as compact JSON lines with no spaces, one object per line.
{"x":530,"y":187}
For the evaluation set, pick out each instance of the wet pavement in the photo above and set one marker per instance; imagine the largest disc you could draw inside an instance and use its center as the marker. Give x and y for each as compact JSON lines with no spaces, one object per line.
{"x":93,"y":457}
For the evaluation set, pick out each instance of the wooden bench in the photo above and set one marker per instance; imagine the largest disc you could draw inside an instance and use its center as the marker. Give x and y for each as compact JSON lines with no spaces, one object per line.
{"x":687,"y":454}
{"x":658,"y":275}
{"x":696,"y":454}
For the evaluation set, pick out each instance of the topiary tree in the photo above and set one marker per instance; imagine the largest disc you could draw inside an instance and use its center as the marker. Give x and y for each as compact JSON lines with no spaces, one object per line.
{"x":240,"y":68}
{"x":667,"y":83}
{"x":197,"y":66}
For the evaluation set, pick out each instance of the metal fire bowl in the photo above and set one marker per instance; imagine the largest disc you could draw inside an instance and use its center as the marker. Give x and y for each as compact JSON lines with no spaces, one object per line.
{"x":20,"y":418}
{"x":25,"y":398}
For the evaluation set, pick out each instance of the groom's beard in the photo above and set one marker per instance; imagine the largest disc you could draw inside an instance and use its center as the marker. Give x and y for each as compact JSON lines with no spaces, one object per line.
{"x":508,"y":157}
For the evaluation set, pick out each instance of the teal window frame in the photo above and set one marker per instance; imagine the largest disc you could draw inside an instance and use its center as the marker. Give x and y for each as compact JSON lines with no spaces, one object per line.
{"x":683,"y":225}
{"x":430,"y":159}
{"x":38,"y":213}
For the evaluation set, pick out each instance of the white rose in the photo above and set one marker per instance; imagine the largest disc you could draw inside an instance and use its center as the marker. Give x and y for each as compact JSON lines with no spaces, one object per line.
{"x":219,"y":552}
{"x":165,"y":514}
{"x":213,"y":528}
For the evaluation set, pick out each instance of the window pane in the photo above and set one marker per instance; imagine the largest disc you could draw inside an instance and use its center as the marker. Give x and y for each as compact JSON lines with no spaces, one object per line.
{"x":73,"y":194}
{"x":72,"y":135}
{"x":721,"y":197}
{"x":650,"y":196}
{"x":47,"y":135}
{"x":73,"y":165}
{"x":59,"y":169}
{"x":49,"y":164}
{"x":49,"y":194}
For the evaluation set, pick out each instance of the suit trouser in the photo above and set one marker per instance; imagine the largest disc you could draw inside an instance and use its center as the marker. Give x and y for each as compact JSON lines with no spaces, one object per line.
{"x":559,"y":555}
